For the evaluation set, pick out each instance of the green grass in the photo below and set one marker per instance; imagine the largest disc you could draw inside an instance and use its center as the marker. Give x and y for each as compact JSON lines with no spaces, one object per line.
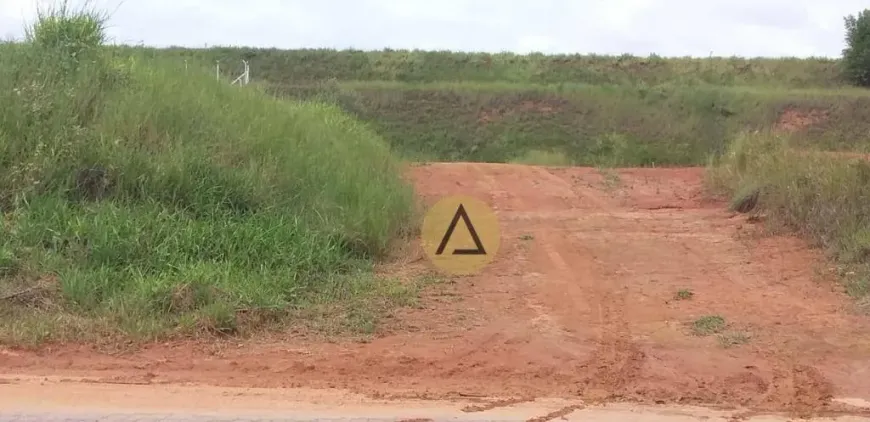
{"x":821,"y":197}
{"x":144,"y":200}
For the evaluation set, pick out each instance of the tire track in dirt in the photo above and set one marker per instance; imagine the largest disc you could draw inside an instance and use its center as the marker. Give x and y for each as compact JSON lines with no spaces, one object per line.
{"x":616,"y":359}
{"x":581,"y":279}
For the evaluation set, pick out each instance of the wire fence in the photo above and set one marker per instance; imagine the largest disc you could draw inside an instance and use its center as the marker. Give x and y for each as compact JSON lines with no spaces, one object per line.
{"x":243,"y":79}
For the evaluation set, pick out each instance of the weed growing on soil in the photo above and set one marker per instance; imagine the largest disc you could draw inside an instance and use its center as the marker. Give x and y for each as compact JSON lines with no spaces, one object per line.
{"x":684,"y":294}
{"x":157,"y":202}
{"x":708,"y":324}
{"x":731,"y":339}
{"x":822,"y":197}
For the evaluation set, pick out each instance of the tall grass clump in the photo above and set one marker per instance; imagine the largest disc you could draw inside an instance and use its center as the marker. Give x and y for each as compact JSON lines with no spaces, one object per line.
{"x":140,"y":198}
{"x":68,"y":33}
{"x":823,"y":197}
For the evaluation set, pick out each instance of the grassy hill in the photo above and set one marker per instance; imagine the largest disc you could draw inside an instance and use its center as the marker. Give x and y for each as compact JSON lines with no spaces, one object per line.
{"x":584,"y":110}
{"x":138,"y":200}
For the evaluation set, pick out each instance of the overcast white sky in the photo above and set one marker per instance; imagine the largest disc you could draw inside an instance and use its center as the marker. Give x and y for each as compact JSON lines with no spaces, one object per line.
{"x":666,"y":27}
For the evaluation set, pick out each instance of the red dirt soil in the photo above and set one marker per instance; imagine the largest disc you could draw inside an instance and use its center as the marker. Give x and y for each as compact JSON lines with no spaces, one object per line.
{"x":796,"y":120}
{"x":579,"y":303}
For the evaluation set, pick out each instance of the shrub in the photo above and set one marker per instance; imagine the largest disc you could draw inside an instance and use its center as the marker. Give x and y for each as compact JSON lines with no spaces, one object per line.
{"x":856,"y":55}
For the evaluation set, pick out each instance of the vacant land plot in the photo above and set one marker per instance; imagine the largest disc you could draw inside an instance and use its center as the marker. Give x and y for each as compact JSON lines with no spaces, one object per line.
{"x":160,"y":227}
{"x":629,"y":285}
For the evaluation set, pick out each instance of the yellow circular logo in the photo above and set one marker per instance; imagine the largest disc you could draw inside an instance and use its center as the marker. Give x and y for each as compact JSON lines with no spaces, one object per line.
{"x":460,"y":234}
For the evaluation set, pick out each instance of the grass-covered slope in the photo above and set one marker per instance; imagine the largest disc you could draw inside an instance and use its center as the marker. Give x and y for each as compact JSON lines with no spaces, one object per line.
{"x":141,"y":198}
{"x":589,"y":124}
{"x":305,"y":66}
{"x":583,"y":110}
{"x":822,"y":197}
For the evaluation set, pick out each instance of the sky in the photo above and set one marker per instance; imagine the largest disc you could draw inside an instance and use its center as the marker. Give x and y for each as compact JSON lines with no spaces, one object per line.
{"x":749,"y":28}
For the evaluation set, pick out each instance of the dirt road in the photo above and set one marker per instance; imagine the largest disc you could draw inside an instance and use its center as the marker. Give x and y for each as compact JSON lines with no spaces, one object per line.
{"x":581,"y":304}
{"x":79,"y":400}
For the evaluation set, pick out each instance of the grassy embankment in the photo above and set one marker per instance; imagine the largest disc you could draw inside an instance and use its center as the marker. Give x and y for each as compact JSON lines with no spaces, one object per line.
{"x":616,"y":111}
{"x":824,"y":198}
{"x":583,"y":110}
{"x":141,"y":201}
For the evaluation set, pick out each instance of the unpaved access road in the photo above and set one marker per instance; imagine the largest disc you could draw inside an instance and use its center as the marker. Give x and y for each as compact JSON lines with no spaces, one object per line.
{"x":579,"y":305}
